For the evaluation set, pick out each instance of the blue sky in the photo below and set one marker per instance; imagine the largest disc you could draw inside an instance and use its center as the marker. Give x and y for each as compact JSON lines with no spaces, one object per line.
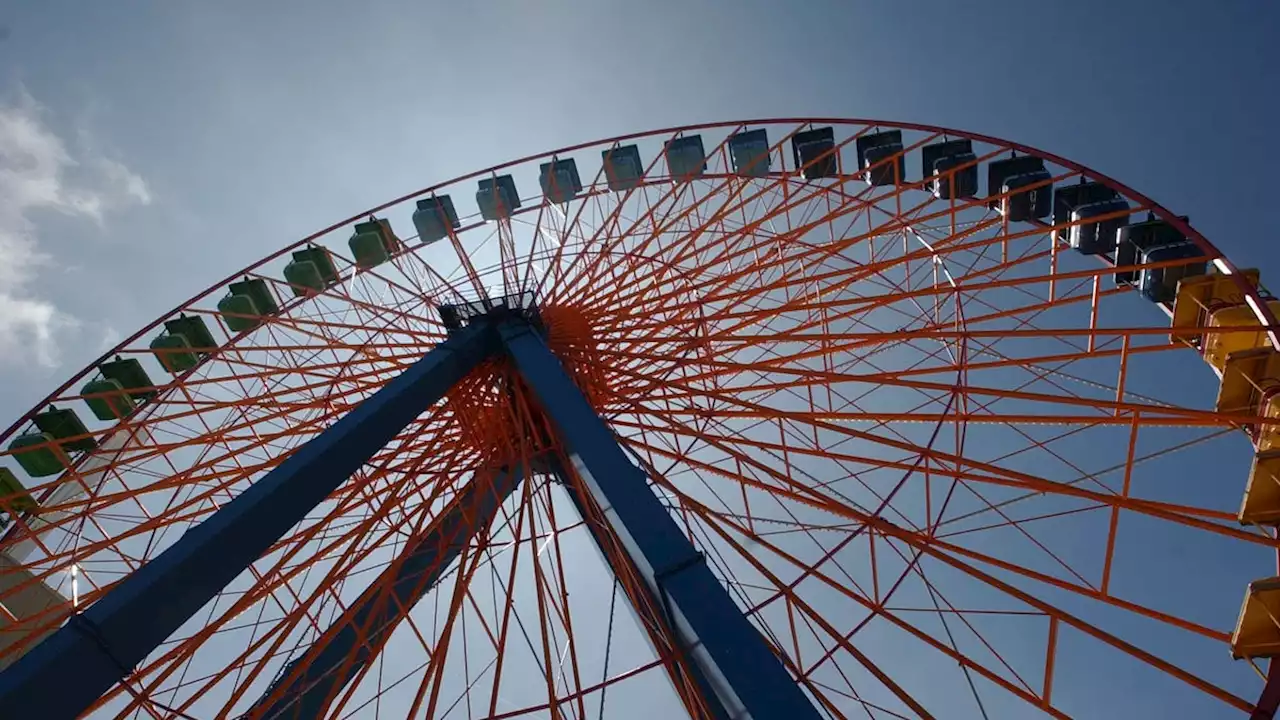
{"x":149,"y":149}
{"x":251,"y":124}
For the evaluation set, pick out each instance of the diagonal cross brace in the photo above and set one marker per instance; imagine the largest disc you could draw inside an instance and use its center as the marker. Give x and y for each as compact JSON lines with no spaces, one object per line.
{"x":63,"y":675}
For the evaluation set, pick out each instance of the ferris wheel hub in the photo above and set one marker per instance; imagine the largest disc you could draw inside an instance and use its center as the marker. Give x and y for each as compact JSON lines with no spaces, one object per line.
{"x":522,"y":305}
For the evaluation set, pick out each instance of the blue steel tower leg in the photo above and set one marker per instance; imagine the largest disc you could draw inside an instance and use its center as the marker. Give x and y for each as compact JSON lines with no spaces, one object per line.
{"x":748,"y":677}
{"x":310,"y":683}
{"x":650,"y":613}
{"x":63,"y":675}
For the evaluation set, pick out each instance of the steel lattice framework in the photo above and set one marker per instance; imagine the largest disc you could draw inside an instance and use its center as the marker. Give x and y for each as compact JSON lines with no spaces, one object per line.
{"x":785,"y":418}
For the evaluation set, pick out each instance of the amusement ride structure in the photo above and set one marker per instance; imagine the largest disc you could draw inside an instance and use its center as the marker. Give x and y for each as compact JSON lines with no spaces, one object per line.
{"x":801,"y":418}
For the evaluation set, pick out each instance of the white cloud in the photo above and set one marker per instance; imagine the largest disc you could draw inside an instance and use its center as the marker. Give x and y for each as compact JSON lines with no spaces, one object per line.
{"x":124,"y":180}
{"x":39,"y":173}
{"x":28,"y":327}
{"x":110,"y":338}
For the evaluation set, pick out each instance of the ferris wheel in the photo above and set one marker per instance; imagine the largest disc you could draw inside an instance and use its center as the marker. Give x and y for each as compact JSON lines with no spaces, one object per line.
{"x":798,"y":418}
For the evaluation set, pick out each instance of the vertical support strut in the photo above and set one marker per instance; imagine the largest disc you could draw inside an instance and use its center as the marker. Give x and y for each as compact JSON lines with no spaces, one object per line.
{"x":62,"y":676}
{"x":310,"y":683}
{"x":748,"y":677}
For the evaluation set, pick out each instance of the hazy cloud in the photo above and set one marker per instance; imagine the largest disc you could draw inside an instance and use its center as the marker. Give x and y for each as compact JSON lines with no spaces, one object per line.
{"x":39,"y":173}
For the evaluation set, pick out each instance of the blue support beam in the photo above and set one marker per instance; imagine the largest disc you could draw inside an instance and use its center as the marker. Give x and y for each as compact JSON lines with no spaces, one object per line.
{"x":71,"y":669}
{"x":656,"y":622}
{"x":748,"y":677}
{"x":309,"y":683}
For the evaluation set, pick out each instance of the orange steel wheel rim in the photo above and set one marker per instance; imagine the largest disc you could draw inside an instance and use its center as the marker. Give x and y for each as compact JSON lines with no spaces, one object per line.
{"x":945,"y":464}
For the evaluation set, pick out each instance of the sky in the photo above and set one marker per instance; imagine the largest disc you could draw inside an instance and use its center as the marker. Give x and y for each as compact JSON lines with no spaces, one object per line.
{"x":148,"y":150}
{"x":179,"y":141}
